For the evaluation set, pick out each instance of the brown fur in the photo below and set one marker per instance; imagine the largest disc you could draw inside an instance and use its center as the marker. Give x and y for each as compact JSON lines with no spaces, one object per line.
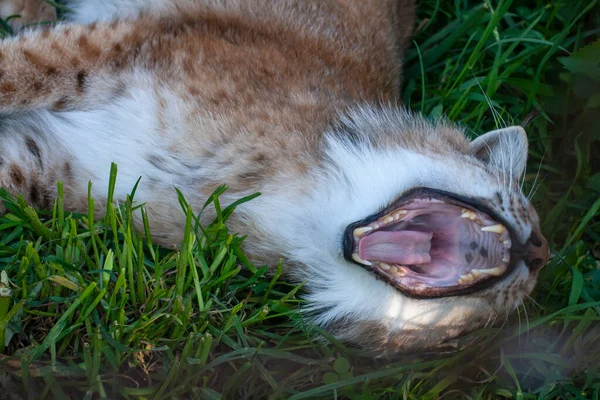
{"x":253,"y":70}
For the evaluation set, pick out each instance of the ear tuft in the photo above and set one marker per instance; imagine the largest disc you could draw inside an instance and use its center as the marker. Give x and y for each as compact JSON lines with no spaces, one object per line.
{"x":504,"y":149}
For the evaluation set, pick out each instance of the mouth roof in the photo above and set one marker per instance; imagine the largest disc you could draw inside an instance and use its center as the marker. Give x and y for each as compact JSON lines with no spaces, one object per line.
{"x":429,"y":244}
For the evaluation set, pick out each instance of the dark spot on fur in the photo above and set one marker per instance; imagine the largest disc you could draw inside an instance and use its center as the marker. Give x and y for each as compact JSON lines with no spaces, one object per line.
{"x":34,"y":194}
{"x":483,"y":252}
{"x":37,"y":86}
{"x":61,"y":104}
{"x":89,"y":50}
{"x":35,"y":59}
{"x":35,"y":150}
{"x":499,"y":197}
{"x":249,"y":177}
{"x":46,"y":201}
{"x":260,"y":158}
{"x":81,"y":78}
{"x":469,"y":257}
{"x":473,"y":245}
{"x":8,"y":87}
{"x":16,"y":174}
{"x":51,"y":71}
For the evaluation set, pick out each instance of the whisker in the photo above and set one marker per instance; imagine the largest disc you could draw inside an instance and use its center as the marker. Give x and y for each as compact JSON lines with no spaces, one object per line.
{"x":526,"y":320}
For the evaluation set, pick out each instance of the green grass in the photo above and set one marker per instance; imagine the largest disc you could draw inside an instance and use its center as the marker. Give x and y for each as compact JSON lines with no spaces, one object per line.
{"x":97,"y":311}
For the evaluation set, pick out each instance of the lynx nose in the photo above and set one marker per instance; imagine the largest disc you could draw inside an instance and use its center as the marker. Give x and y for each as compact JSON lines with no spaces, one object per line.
{"x":536,"y":251}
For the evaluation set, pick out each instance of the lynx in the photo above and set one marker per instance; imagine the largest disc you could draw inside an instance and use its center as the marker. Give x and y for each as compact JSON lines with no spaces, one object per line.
{"x":407,"y":234}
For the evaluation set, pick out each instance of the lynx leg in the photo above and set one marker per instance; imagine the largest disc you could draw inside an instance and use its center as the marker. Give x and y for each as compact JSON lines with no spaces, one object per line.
{"x":32,"y":160}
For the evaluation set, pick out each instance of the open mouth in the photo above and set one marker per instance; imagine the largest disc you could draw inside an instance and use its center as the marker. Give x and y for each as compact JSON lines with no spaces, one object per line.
{"x":430,"y":244}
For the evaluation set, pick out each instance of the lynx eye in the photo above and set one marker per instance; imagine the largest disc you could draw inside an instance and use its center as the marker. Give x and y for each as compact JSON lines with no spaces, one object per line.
{"x":430,"y":246}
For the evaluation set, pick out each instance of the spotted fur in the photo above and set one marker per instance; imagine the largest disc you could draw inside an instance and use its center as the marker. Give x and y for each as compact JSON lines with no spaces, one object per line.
{"x":296,"y":99}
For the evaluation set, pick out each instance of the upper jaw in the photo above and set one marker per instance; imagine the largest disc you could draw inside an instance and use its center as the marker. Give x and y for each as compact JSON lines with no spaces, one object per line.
{"x":507,"y":251}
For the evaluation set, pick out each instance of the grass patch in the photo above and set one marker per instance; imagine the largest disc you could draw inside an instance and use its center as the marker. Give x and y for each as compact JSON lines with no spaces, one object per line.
{"x":95,"y":310}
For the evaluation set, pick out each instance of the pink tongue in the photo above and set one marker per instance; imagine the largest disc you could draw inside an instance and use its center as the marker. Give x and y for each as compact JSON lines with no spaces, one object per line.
{"x":402,"y":247}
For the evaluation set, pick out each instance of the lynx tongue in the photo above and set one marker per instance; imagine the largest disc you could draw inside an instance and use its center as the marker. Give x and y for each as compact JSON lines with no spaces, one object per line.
{"x":397,"y":247}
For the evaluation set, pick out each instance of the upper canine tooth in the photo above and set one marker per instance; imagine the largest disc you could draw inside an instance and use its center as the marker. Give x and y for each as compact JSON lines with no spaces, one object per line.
{"x":358,"y":232}
{"x":469,"y":214}
{"x":499,"y":229}
{"x":357,"y":258}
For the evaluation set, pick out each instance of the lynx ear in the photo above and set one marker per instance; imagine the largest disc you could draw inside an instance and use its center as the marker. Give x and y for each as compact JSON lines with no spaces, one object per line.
{"x":504,"y":149}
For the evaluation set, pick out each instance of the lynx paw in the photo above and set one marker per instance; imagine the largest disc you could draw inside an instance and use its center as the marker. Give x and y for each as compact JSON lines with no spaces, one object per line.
{"x":30,"y":11}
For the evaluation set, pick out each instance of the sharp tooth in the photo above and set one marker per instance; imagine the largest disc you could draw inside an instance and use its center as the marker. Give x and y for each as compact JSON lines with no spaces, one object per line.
{"x":469,"y":214}
{"x":357,"y":258}
{"x":393,"y":270}
{"x":389,"y":219}
{"x":399,"y":271}
{"x":399,"y":213}
{"x":475,"y":273}
{"x":384,"y":266}
{"x":358,"y":232}
{"x":499,"y":229}
{"x":466,"y":278}
{"x":507,"y":243}
{"x":374,"y":225}
{"x":496,"y":271}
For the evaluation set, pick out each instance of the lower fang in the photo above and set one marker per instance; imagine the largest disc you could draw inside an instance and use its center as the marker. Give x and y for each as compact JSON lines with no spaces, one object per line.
{"x":358,"y":232}
{"x":357,"y":258}
{"x":496,"y":271}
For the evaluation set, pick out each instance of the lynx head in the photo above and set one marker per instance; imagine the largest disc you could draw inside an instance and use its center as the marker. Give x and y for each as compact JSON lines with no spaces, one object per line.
{"x":412,"y":235}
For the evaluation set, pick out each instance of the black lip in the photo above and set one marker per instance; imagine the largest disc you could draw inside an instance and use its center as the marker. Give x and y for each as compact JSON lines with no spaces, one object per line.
{"x":450,"y":198}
